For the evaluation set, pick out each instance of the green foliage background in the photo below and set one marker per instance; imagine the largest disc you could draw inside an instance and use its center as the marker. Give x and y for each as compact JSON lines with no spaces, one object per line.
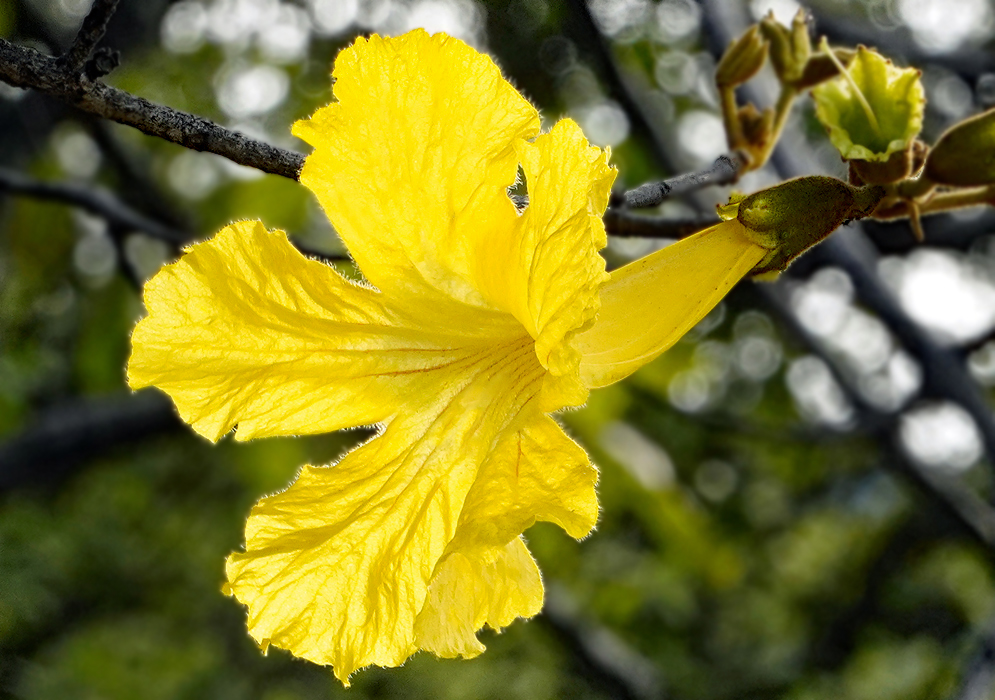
{"x":743,"y":551}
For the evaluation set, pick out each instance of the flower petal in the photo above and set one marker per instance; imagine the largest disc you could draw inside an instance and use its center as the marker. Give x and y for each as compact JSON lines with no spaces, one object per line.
{"x":337,"y":567}
{"x":490,"y":586}
{"x":244,"y":329}
{"x":551,"y":282}
{"x":649,"y":304}
{"x":412,"y":164}
{"x":534,"y":473}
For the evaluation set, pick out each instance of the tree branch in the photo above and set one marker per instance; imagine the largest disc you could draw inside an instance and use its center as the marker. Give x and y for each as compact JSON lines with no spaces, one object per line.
{"x":624,"y":224}
{"x":90,"y":33}
{"x":601,"y":655}
{"x":724,"y":171}
{"x":121,"y":218}
{"x":132,"y":177}
{"x":957,"y":499}
{"x":26,"y":68}
{"x":63,"y":437}
{"x":579,"y":23}
{"x":103,"y":204}
{"x":944,"y":373}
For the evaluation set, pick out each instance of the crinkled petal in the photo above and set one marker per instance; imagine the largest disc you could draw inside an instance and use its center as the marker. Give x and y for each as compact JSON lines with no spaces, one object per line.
{"x":244,"y":329}
{"x":649,"y":304}
{"x":534,"y":473}
{"x":337,"y":567}
{"x":413,"y":162}
{"x":554,"y":272}
{"x":486,"y":586}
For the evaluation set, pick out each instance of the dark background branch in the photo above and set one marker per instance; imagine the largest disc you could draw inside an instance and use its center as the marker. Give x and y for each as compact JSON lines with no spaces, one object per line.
{"x":69,"y":435}
{"x":623,"y":223}
{"x":95,"y":201}
{"x":121,"y":218}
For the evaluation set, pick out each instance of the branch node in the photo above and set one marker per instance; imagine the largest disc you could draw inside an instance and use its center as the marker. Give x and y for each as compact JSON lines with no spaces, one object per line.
{"x":104,"y":60}
{"x":75,"y":60}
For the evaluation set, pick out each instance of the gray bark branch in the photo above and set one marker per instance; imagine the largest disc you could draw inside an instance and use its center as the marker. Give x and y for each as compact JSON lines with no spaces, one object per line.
{"x":90,"y":33}
{"x":26,"y":68}
{"x":724,"y":171}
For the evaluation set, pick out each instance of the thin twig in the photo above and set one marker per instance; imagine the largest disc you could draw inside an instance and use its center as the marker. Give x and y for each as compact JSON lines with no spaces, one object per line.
{"x":90,"y":33}
{"x":98,"y":202}
{"x":975,"y":344}
{"x":723,"y":171}
{"x":26,"y":68}
{"x":118,"y":214}
{"x":624,"y":224}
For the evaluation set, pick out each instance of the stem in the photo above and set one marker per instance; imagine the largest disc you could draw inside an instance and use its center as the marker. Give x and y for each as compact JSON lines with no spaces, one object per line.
{"x":785,"y":101}
{"x":945,"y":201}
{"x":730,"y":116}
{"x":960,"y":199}
{"x":915,"y":221}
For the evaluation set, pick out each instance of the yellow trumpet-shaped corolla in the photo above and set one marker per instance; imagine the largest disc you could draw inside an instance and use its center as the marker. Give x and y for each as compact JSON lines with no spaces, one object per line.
{"x":477,"y":321}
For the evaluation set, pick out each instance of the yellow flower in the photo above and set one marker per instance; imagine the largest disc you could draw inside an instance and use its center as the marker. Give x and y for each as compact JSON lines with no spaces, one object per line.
{"x":477,"y":322}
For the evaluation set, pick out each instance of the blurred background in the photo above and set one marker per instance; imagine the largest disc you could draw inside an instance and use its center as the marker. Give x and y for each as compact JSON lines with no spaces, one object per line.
{"x":795,"y":497}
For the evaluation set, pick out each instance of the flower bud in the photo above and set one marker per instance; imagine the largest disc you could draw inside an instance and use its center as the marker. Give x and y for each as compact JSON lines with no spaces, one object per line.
{"x":790,"y":48}
{"x":874,"y":110}
{"x":741,"y":61}
{"x":791,"y":217}
{"x":965,"y":155}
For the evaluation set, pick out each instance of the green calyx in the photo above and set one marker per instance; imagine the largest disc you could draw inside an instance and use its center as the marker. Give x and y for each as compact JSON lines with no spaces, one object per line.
{"x":965,"y":155}
{"x":872,"y":111}
{"x":795,"y":215}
